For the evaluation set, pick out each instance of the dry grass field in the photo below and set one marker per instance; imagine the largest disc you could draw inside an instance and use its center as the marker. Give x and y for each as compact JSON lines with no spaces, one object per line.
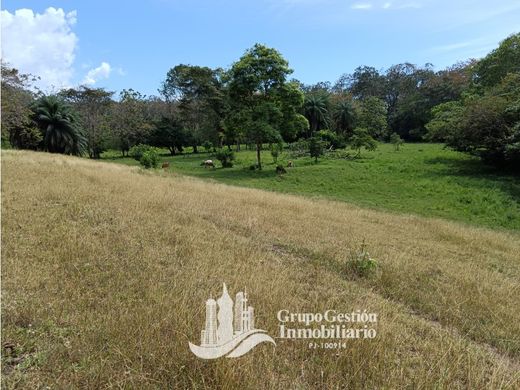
{"x":105,"y":270}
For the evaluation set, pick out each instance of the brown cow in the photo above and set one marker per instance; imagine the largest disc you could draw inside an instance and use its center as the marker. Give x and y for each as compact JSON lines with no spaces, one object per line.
{"x":165,"y":165}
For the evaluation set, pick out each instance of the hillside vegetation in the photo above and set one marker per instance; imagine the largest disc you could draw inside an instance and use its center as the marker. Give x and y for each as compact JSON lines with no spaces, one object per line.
{"x":425,"y":179}
{"x":105,"y":270}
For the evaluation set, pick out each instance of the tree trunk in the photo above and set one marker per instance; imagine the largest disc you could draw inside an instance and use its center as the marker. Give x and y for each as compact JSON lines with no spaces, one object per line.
{"x":238,"y":146}
{"x":258,"y":147}
{"x":195,"y":149}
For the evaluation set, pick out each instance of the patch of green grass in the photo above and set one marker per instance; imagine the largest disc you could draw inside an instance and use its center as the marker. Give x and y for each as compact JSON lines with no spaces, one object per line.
{"x":424,"y":179}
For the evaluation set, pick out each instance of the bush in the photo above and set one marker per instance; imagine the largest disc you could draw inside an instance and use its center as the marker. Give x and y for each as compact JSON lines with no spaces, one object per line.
{"x":316,"y":148}
{"x":332,"y":139}
{"x":147,"y":155}
{"x":137,"y":151}
{"x":361,"y":264}
{"x":150,"y":158}
{"x":396,"y":141}
{"x":299,"y":148}
{"x":226,"y":157}
{"x":207,"y":145}
{"x":276,"y":149}
{"x":362,"y":139}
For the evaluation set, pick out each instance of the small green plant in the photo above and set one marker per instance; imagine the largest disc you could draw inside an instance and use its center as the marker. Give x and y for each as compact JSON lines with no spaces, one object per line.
{"x":331,"y":139}
{"x":207,"y":145}
{"x":137,"y":151}
{"x":316,"y":148}
{"x":299,"y":148}
{"x":276,"y":149}
{"x":226,"y":157}
{"x":150,"y":158}
{"x":396,"y":141}
{"x":361,"y":264}
{"x":362,"y":139}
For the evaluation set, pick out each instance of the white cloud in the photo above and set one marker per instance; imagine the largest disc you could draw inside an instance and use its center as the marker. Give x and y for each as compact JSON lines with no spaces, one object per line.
{"x":41,"y":44}
{"x":101,"y":72}
{"x":362,"y":6}
{"x":479,"y":45}
{"x":387,"y":5}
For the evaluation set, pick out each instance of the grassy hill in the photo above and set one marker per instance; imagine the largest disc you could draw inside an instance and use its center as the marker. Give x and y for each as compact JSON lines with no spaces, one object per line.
{"x":424,"y":179}
{"x":106,"y":268}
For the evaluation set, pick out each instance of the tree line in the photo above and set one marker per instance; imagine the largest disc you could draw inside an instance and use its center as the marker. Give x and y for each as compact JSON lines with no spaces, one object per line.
{"x":472,"y":106}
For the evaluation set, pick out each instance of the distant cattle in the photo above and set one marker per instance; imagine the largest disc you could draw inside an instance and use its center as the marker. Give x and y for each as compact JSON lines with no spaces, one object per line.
{"x":280,"y":170}
{"x":208,"y":164}
{"x":165,"y":165}
{"x":290,"y":164}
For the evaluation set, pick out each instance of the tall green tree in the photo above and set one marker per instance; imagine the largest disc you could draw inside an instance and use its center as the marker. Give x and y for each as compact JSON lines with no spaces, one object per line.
{"x":169,"y":133}
{"x":17,"y":126}
{"x":92,"y":105}
{"x":59,"y":126}
{"x":344,"y":117}
{"x":259,"y":96}
{"x":199,"y":93}
{"x":129,"y":120}
{"x":366,"y":81}
{"x":372,"y":114}
{"x":316,"y":110}
{"x":496,"y":65}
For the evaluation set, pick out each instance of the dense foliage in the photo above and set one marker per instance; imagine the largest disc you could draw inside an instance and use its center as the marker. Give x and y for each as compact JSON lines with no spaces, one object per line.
{"x":485,"y":120}
{"x":472,"y":106}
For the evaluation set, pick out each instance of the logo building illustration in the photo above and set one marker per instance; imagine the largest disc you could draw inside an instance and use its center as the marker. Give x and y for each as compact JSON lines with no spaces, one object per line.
{"x":229,"y":331}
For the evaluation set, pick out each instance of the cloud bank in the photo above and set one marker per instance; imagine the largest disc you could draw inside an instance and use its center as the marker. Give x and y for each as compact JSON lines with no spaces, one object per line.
{"x":41,"y":44}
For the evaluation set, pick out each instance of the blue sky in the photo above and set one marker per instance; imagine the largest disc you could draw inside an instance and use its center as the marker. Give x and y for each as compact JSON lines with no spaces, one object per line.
{"x":130,"y":44}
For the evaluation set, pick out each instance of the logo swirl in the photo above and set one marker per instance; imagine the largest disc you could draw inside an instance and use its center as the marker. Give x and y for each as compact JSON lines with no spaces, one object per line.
{"x":230,"y":332}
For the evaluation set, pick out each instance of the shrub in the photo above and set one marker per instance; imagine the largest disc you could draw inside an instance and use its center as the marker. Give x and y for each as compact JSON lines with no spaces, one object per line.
{"x":299,"y":148}
{"x":137,"y":151}
{"x":316,"y":148}
{"x":276,"y":149}
{"x":332,"y":139}
{"x":207,"y":145}
{"x":361,"y":264}
{"x":150,"y":158}
{"x":396,"y":141}
{"x":226,"y":157}
{"x":362,"y":139}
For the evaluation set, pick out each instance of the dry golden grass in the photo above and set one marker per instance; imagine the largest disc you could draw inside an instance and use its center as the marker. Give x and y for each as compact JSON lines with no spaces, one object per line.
{"x":105,"y":271}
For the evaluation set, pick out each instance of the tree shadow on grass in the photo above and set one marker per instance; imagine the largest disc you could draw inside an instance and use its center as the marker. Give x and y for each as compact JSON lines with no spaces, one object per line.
{"x":475,"y":173}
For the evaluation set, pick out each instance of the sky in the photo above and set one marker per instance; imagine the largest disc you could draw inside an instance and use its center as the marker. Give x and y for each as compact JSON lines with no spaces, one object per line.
{"x":132,"y":44}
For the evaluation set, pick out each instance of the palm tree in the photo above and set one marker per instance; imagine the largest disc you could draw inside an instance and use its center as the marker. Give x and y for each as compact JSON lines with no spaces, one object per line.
{"x":316,"y":111}
{"x":343,"y":116}
{"x":59,"y":126}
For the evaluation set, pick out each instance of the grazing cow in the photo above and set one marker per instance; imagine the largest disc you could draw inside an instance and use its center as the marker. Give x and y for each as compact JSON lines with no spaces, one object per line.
{"x":208,"y":164}
{"x":290,"y":164}
{"x":165,"y":165}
